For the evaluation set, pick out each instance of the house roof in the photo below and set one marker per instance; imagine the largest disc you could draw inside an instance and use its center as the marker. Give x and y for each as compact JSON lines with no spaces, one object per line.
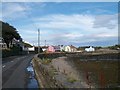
{"x":72,"y":46}
{"x":56,"y":47}
{"x":44,"y":46}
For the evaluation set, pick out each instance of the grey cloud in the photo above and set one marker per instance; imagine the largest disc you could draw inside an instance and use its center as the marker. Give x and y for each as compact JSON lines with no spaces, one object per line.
{"x":107,"y":21}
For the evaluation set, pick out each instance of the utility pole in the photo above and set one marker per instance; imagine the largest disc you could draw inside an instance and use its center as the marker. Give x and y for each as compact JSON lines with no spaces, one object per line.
{"x":45,"y":42}
{"x":38,"y":40}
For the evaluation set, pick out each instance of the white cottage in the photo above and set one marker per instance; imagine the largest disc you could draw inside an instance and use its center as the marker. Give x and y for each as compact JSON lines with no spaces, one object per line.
{"x":70,"y":48}
{"x":31,"y":48}
{"x":44,"y":48}
{"x":73,"y":48}
{"x":90,"y":49}
{"x":67,"y":49}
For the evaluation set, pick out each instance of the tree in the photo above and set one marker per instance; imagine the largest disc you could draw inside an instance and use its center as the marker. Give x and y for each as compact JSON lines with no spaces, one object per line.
{"x":8,"y":33}
{"x":115,"y":47}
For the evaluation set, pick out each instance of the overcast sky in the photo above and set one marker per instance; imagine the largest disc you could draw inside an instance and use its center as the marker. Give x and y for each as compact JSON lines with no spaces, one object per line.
{"x":67,"y":23}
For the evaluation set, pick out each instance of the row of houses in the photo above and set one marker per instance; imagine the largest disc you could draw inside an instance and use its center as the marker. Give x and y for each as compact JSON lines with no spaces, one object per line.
{"x":59,"y":48}
{"x":51,"y":48}
{"x":67,"y":48}
{"x":14,"y":42}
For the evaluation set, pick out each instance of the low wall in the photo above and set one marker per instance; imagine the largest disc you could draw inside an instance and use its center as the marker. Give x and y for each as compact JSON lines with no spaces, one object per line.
{"x":95,"y":56}
{"x":51,"y":55}
{"x":88,"y":56}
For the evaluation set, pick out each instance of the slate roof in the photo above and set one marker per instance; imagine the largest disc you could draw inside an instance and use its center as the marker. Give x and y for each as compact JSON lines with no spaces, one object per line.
{"x":72,"y":46}
{"x":56,"y":47}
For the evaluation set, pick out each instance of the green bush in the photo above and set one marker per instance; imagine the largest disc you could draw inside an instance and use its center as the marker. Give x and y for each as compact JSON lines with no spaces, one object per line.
{"x":12,"y":52}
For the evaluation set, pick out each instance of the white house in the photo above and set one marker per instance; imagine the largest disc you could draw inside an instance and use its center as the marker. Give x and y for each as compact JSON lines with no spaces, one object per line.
{"x":44,"y":48}
{"x":31,"y":49}
{"x":70,"y":48}
{"x":2,"y":44}
{"x":73,"y":48}
{"x":28,"y":49}
{"x":67,"y":49}
{"x":90,"y":49}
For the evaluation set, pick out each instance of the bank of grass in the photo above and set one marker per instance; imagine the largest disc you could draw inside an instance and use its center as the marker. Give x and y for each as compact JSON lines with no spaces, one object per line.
{"x":46,"y":61}
{"x":102,"y":73}
{"x":51,"y":72}
{"x":45,"y":73}
{"x":38,"y":74}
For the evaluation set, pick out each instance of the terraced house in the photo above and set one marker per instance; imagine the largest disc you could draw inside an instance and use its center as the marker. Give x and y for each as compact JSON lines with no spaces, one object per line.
{"x":53,"y":49}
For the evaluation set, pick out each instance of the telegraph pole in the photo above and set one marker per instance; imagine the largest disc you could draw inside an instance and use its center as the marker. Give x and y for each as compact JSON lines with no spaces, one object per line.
{"x":45,"y":42}
{"x":38,"y":40}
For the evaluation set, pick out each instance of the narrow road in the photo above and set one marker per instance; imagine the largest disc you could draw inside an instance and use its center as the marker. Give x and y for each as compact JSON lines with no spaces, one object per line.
{"x":14,"y":72}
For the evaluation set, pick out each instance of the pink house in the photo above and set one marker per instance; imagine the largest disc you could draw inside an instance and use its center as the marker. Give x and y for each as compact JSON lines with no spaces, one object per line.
{"x":50,"y":49}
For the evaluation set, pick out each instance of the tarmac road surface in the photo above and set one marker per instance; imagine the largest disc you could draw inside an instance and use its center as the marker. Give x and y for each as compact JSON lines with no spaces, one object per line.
{"x":14,"y":71}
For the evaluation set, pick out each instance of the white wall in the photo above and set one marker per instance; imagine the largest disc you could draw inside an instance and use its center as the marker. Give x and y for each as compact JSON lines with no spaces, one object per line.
{"x":31,"y":49}
{"x":44,"y":49}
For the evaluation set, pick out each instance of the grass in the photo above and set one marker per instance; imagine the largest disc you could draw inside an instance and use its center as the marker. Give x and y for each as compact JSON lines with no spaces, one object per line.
{"x":46,"y":61}
{"x":71,"y":79}
{"x":53,"y":71}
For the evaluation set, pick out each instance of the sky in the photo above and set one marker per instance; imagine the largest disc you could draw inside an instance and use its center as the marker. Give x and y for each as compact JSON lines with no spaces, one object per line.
{"x":64,"y":23}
